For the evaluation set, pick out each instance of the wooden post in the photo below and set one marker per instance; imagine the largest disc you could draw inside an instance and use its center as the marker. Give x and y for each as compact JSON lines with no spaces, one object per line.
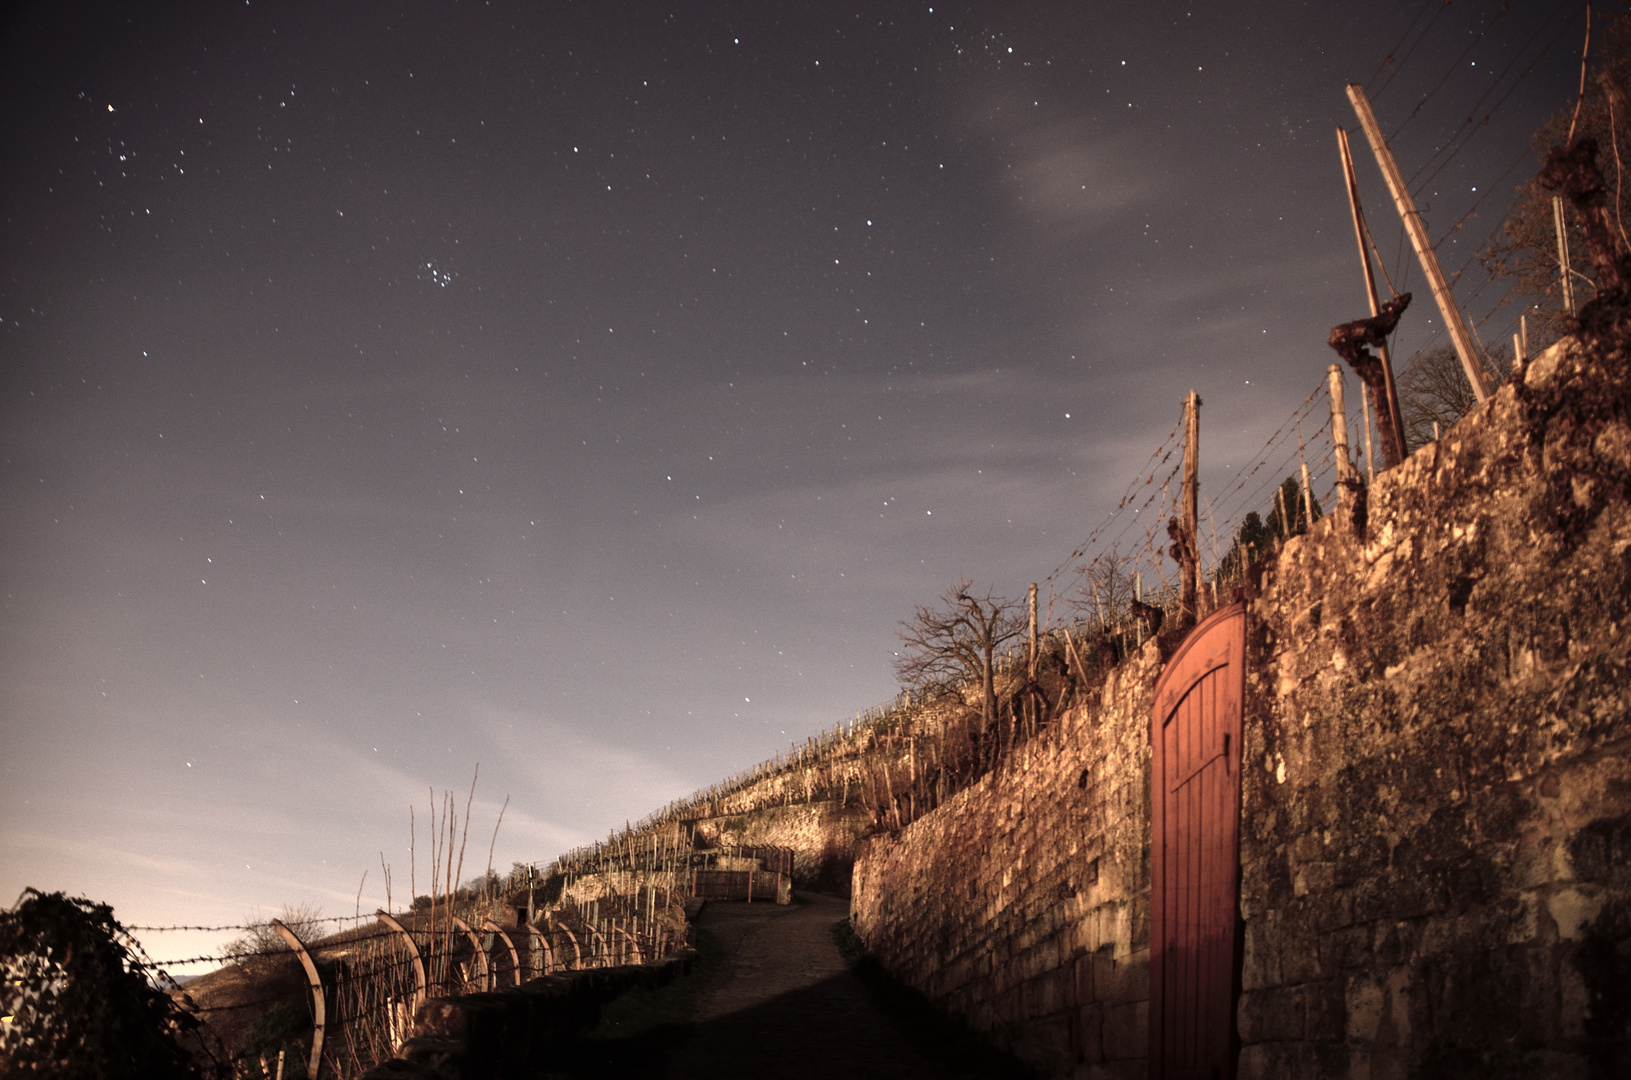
{"x":319,"y":1012}
{"x":1339,"y":435}
{"x":1566,"y":275}
{"x":1189,"y":586}
{"x":1030,"y":702}
{"x":280,"y":1054}
{"x":1308,"y":493}
{"x":1464,"y":348}
{"x":1031,"y":660}
{"x":1308,"y":497}
{"x":1387,"y":406}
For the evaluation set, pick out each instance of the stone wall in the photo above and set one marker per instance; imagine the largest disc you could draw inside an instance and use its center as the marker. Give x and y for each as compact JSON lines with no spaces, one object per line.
{"x":1023,"y":903}
{"x":1436,"y":847}
{"x":822,"y":835}
{"x":1436,"y":821}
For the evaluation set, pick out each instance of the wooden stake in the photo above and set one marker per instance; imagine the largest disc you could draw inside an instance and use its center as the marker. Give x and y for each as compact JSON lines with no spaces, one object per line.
{"x":1031,"y":653}
{"x":1308,"y":493}
{"x":1339,"y":434}
{"x":1387,"y":406}
{"x":1470,"y":363}
{"x":1189,"y":583}
{"x":1308,"y":498}
{"x":1566,"y":275}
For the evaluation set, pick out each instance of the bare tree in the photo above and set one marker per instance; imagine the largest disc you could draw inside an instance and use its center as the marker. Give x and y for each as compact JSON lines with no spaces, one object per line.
{"x":954,"y":645}
{"x":1525,"y":248}
{"x":1433,"y":388}
{"x":1106,"y":589}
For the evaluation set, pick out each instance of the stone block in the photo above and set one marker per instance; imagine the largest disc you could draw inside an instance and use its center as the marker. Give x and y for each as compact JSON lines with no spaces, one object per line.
{"x":1277,"y":1061}
{"x":1272,"y":1015}
{"x":1325,"y":1010}
{"x":1300,"y":959}
{"x":1089,"y":1033}
{"x":1126,"y":1031}
{"x":1261,"y":956}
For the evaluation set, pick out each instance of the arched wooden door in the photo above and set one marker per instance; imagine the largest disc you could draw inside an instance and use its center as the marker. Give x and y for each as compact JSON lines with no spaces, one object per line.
{"x":1195,"y":852}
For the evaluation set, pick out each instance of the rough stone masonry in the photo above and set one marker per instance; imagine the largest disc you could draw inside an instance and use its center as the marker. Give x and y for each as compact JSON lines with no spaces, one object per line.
{"x":1436,"y":816}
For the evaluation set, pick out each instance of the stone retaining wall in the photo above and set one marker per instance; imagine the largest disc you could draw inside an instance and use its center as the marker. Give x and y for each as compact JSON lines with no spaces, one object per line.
{"x":1022,"y":904}
{"x":822,"y":836}
{"x":1436,"y":822}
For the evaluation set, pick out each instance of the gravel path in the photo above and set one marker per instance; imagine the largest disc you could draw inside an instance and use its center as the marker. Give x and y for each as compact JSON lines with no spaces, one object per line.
{"x":783,"y":1004}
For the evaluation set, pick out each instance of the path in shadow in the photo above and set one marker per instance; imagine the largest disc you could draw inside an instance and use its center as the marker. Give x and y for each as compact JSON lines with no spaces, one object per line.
{"x":771,"y":995}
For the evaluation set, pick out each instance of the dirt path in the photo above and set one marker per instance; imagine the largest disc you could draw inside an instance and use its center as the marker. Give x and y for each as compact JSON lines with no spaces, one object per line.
{"x":783,"y":1003}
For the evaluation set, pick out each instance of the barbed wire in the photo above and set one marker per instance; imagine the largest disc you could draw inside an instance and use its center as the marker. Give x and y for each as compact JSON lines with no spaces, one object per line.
{"x":1438,"y":7}
{"x":1470,"y":127}
{"x":303,"y":919}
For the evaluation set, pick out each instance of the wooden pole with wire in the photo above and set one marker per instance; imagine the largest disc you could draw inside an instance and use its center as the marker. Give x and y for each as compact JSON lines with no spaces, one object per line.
{"x":1308,"y":489}
{"x":1339,"y":438}
{"x":1565,"y":273}
{"x":1189,"y":582}
{"x":1464,"y":348}
{"x":1387,"y":411}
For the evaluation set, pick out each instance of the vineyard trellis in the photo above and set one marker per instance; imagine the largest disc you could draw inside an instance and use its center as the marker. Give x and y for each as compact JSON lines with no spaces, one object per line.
{"x":364,"y":983}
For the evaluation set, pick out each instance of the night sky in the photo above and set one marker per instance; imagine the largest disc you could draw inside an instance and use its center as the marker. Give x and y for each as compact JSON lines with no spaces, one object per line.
{"x":587,"y":390}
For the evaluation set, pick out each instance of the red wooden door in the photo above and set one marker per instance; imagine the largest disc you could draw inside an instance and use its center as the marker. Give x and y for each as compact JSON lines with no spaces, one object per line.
{"x":1194,"y":855}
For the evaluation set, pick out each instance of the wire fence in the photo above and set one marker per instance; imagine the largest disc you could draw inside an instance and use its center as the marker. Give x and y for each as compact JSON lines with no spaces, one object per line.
{"x":341,"y":993}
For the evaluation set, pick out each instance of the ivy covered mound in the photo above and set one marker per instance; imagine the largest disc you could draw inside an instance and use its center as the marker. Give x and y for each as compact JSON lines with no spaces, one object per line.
{"x":77,"y":1003}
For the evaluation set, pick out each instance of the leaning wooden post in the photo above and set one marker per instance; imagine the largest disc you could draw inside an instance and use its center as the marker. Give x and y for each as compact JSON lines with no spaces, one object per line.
{"x":319,"y":1012}
{"x":1413,"y":227}
{"x":1387,"y":405}
{"x":515,"y":958}
{"x":1564,"y":272}
{"x":418,"y":963}
{"x":1190,"y":569}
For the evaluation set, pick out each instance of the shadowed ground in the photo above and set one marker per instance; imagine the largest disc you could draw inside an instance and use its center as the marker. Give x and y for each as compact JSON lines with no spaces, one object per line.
{"x":773,"y":996}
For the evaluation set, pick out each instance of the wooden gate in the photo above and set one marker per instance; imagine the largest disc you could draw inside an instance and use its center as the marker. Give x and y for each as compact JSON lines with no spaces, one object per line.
{"x":1195,"y":852}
